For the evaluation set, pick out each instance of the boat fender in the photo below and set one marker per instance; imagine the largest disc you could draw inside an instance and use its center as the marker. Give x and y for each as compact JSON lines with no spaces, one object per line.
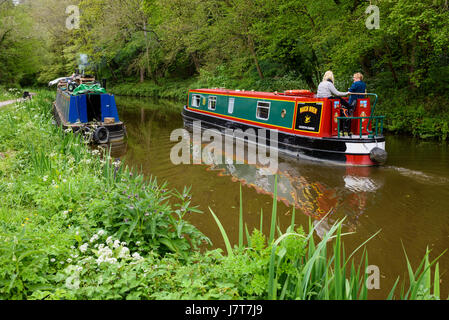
{"x":101,"y":135}
{"x":378,"y":155}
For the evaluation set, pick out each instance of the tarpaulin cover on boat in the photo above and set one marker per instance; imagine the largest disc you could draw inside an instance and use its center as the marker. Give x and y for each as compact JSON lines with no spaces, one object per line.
{"x":85,"y":88}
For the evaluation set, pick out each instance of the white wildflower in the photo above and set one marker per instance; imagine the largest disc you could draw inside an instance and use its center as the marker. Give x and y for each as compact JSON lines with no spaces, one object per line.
{"x":111,"y":260}
{"x":109,"y":240}
{"x":116,"y":244}
{"x":105,"y":255}
{"x":94,"y":238}
{"x":136,"y":256}
{"x":83,"y":248}
{"x":124,"y":253}
{"x":100,"y":232}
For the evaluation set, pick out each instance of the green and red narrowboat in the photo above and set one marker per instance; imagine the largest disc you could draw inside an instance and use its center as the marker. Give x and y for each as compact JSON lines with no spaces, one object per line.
{"x":307,"y":126}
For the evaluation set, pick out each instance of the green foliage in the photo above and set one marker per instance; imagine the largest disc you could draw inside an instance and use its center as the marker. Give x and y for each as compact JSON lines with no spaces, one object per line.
{"x":56,"y":192}
{"x":162,"y":48}
{"x":25,"y":260}
{"x":9,"y":93}
{"x":421,"y":286}
{"x":74,"y":225}
{"x":19,"y":46}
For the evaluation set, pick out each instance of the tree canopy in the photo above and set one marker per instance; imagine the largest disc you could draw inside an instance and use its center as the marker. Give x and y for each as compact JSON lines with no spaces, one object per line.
{"x":136,"y":40}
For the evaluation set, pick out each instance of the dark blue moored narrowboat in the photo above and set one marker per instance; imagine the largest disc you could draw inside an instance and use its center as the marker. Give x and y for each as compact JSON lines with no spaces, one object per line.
{"x":84,"y":106}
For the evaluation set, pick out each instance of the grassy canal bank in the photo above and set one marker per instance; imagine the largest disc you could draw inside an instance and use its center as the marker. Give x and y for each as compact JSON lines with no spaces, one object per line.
{"x":76,"y":225}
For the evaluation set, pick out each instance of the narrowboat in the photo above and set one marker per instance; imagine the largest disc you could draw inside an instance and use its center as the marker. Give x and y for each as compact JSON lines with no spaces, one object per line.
{"x":82,"y":105}
{"x":307,"y":126}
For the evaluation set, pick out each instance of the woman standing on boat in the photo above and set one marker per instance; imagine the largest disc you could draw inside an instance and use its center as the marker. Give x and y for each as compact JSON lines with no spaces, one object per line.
{"x":326,"y":89}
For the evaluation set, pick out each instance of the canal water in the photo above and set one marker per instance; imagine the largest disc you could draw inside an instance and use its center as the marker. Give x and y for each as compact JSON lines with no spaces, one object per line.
{"x":407,"y":199}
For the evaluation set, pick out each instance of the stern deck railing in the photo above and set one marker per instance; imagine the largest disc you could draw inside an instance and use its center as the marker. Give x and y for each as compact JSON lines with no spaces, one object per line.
{"x":378,"y":125}
{"x":379,"y":120}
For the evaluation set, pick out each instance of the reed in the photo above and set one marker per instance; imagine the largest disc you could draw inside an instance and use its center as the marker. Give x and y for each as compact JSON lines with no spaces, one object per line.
{"x":40,"y":161}
{"x":420,"y":284}
{"x":315,"y":273}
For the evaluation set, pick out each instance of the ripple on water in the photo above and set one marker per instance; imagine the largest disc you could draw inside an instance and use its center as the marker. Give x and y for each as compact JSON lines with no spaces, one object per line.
{"x":420,"y":176}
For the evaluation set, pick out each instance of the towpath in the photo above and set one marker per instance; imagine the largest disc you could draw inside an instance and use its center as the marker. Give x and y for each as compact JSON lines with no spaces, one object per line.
{"x":7,"y":102}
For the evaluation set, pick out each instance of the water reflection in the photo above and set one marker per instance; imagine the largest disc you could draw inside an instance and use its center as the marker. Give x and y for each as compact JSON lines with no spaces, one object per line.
{"x":408,"y":198}
{"x":118,"y":149}
{"x":299,"y":185}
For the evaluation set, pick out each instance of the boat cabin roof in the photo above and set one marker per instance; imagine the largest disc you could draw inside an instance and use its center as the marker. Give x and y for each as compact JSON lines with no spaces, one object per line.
{"x":294,"y":95}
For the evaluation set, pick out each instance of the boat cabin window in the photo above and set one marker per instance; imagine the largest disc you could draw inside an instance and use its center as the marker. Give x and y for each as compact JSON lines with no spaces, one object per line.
{"x":263,"y":110}
{"x":212,"y":103}
{"x":196,"y":100}
{"x":231,"y":105}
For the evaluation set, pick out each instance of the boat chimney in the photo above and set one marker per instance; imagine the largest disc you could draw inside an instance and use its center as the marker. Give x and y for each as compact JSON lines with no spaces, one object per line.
{"x":103,"y":83}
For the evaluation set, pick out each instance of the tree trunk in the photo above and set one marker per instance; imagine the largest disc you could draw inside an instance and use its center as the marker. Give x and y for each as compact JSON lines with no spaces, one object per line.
{"x":390,"y":64}
{"x":195,"y":62}
{"x":310,"y":83}
{"x":253,"y":53}
{"x":147,"y":57}
{"x":412,"y":65}
{"x":142,"y":74}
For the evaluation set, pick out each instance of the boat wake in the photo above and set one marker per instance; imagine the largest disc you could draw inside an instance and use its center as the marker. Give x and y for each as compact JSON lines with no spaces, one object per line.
{"x":420,"y":176}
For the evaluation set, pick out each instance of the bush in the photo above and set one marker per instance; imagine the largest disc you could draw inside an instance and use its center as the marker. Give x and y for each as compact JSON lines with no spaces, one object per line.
{"x":56,"y":192}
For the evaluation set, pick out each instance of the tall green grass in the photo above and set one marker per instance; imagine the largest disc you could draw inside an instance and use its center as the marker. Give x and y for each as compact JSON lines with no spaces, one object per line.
{"x":325,"y":271}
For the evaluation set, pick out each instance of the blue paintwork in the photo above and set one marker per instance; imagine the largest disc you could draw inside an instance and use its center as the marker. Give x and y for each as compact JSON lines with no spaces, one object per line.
{"x":108,"y":107}
{"x":74,"y":108}
{"x":79,"y":109}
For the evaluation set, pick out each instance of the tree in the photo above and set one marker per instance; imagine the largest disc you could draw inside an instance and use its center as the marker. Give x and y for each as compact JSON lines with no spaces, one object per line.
{"x":19,"y":45}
